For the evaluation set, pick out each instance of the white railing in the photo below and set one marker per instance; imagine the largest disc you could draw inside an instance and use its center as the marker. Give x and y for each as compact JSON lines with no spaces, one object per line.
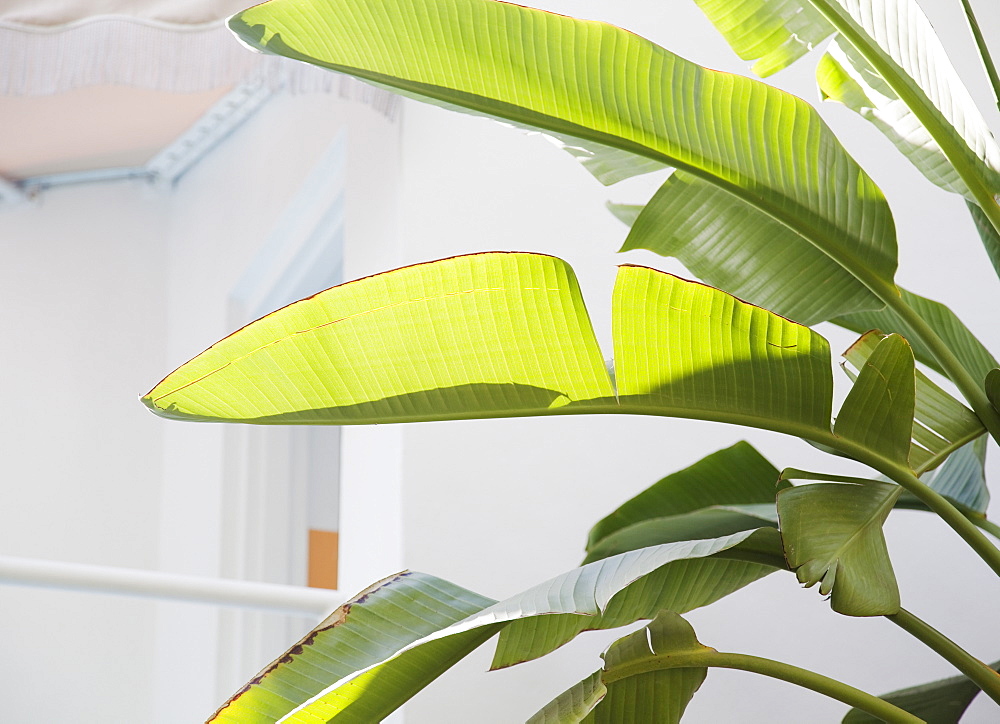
{"x":168,"y":586}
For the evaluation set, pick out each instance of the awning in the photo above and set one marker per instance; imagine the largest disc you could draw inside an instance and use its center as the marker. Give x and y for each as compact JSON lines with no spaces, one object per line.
{"x":177,"y":46}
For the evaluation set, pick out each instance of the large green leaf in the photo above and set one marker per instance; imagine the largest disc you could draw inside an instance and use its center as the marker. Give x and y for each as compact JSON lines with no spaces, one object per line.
{"x":487,"y":335}
{"x":732,"y":245}
{"x":687,"y":350}
{"x":989,"y":235}
{"x":680,"y":586}
{"x":775,"y":33}
{"x":974,"y":357}
{"x":941,"y":424}
{"x":832,"y":533}
{"x":737,"y":474}
{"x":878,"y":411}
{"x":845,"y":76}
{"x":638,"y":690}
{"x":962,"y":478}
{"x":570,"y":77}
{"x":501,"y":335}
{"x":574,"y":704}
{"x":938,"y":702}
{"x":370,"y":627}
{"x":371,"y":692}
{"x":887,"y":64}
{"x":992,"y":384}
{"x":710,"y":522}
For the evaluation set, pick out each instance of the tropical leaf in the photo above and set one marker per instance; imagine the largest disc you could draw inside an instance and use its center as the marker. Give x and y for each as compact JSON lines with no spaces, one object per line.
{"x":832,"y":534}
{"x":502,"y":335}
{"x":687,"y":350}
{"x":845,"y":76}
{"x":734,"y":246}
{"x":486,"y":335}
{"x":709,"y":522}
{"x":680,"y":586}
{"x":938,"y":702}
{"x":961,"y":479}
{"x":574,"y":704}
{"x":370,"y":627}
{"x":941,"y":423}
{"x":775,"y":33}
{"x":878,"y":411}
{"x":887,"y":64}
{"x":638,"y":691}
{"x":989,"y":235}
{"x":971,"y":353}
{"x":539,"y":69}
{"x":370,"y":693}
{"x":737,"y":474}
{"x":992,"y":385}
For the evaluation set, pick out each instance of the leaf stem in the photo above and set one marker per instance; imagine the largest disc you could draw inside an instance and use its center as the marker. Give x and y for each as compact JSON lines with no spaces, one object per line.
{"x":988,"y":525}
{"x":901,"y":475}
{"x":775,"y":669}
{"x":984,"y":51}
{"x":979,"y":673}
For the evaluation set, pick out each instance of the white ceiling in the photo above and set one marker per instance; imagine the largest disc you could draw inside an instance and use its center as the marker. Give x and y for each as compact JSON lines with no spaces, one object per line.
{"x":94,"y":127}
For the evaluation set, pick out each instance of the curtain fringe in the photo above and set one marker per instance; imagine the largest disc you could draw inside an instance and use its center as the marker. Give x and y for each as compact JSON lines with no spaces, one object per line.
{"x":114,"y":50}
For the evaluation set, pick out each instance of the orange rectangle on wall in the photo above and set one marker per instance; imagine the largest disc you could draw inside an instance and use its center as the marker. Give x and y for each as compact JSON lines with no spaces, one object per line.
{"x":324,"y":548}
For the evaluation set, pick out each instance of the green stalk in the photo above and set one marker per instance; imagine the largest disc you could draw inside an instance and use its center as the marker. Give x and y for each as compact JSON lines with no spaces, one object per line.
{"x":984,"y":51}
{"x":988,"y":525}
{"x":932,"y":499}
{"x":979,"y":673}
{"x":775,"y":669}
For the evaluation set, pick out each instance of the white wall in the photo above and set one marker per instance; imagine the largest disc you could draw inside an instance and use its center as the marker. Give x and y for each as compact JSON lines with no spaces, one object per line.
{"x":104,"y":289}
{"x":500,"y":505}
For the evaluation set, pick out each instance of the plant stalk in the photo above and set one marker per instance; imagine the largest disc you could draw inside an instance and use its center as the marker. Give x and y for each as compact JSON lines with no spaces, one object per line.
{"x":988,"y":525}
{"x":775,"y":669}
{"x":984,"y":51}
{"x":932,"y":499}
{"x":979,"y":673}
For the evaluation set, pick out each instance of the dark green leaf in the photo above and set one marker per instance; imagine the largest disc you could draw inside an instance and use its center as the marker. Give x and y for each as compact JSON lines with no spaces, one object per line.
{"x":374,"y":624}
{"x":970,"y":351}
{"x":832,"y":533}
{"x":679,"y":586}
{"x":738,"y":474}
{"x":878,"y":411}
{"x":639,"y":694}
{"x":939,"y":702}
